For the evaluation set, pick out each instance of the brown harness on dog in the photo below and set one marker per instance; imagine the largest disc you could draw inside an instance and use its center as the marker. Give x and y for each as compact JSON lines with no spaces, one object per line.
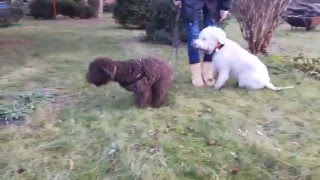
{"x":140,"y":76}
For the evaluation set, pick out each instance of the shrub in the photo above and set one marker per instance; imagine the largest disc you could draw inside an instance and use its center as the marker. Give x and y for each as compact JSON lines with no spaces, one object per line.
{"x":156,"y":16}
{"x":108,"y":7}
{"x":9,"y":15}
{"x":258,"y":21}
{"x":161,"y":21}
{"x":72,"y":9}
{"x":131,"y":13}
{"x":68,"y":8}
{"x":43,"y":9}
{"x":85,"y":11}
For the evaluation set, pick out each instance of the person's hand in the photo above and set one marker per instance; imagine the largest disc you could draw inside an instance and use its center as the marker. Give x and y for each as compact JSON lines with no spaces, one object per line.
{"x":177,"y":3}
{"x":223,"y":15}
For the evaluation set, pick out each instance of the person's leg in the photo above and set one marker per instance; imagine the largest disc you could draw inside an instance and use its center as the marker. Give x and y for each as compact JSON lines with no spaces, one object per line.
{"x":207,"y":21}
{"x":207,"y":67}
{"x":193,"y":30}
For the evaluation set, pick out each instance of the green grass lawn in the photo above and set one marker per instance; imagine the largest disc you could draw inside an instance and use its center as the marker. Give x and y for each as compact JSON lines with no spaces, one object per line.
{"x":98,"y":133}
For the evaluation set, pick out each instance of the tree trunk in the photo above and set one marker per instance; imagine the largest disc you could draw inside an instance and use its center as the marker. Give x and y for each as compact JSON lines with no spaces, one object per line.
{"x":54,"y":8}
{"x":98,"y":8}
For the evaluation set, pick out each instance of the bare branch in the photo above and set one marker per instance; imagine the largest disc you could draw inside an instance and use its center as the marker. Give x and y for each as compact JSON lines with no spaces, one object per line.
{"x":258,"y":20}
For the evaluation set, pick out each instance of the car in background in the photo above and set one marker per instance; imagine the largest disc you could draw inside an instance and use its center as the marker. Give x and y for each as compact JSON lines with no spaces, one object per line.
{"x":9,"y":14}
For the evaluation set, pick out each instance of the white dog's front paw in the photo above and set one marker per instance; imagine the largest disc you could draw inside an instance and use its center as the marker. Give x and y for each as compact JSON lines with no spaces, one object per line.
{"x":217,"y":88}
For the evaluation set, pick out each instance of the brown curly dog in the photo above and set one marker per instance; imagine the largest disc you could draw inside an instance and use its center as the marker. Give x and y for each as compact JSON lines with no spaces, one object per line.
{"x":149,"y":79}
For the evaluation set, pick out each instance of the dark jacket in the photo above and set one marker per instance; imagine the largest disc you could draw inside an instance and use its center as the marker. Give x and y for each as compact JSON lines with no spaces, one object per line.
{"x":190,"y":8}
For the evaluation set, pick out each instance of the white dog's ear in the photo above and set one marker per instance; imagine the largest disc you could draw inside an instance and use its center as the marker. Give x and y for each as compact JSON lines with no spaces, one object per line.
{"x":218,"y":34}
{"x":221,"y":36}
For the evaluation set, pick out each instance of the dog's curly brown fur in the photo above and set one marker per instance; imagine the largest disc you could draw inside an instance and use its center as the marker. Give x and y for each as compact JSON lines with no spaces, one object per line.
{"x":149,"y":79}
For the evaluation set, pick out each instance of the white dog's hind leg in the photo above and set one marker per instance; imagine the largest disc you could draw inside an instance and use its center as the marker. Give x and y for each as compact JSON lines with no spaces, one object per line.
{"x":270,"y":86}
{"x":250,"y":84}
{"x":222,"y":78}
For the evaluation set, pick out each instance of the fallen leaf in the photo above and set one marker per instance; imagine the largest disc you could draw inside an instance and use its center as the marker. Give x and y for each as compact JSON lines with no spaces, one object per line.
{"x":260,"y":133}
{"x":21,"y":170}
{"x":152,"y":150}
{"x":242,"y":134}
{"x":168,"y":124}
{"x":134,"y":146}
{"x":184,"y":133}
{"x":295,"y":143}
{"x":234,"y":170}
{"x":273,"y":109}
{"x":190,"y":128}
{"x":151,"y":133}
{"x":235,"y":155}
{"x":211,"y":142}
{"x":71,"y":164}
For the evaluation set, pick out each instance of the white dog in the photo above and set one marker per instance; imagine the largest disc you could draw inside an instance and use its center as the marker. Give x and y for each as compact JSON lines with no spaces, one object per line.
{"x":232,"y":61}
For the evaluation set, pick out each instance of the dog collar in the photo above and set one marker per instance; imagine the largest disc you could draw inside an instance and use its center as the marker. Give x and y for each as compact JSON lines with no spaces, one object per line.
{"x":140,"y":74}
{"x":217,"y":48}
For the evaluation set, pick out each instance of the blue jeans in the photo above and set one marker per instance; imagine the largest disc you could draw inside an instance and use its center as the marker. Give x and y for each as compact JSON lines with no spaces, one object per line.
{"x":193,"y":30}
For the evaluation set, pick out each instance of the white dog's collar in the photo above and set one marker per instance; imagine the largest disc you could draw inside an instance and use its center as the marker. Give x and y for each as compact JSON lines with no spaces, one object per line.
{"x":217,"y":48}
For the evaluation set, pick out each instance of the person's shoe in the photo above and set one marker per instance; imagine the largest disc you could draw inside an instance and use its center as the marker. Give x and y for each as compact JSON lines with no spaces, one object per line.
{"x":208,"y":74}
{"x":196,"y":75}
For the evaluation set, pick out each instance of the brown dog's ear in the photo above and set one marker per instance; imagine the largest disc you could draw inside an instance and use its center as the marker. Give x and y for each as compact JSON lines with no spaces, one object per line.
{"x":107,"y":71}
{"x":111,"y":74}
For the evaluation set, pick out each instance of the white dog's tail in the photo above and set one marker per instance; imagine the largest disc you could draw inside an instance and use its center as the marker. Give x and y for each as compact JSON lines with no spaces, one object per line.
{"x":272,"y":87}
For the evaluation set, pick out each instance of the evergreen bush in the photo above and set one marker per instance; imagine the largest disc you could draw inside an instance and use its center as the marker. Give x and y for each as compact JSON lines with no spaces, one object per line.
{"x":43,"y":9}
{"x":131,"y":13}
{"x":161,"y":22}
